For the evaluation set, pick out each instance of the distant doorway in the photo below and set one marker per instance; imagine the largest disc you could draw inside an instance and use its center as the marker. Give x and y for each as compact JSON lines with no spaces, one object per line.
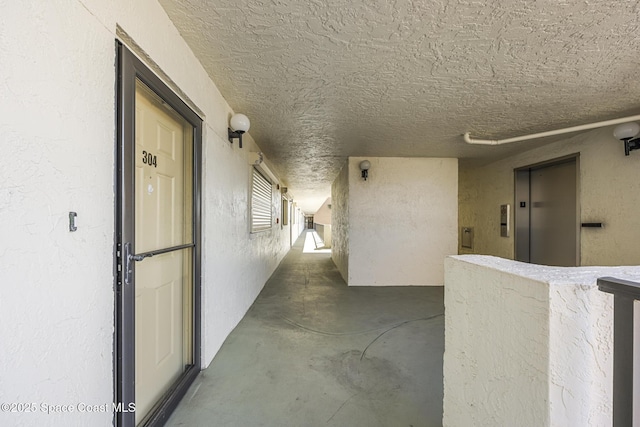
{"x":547,"y":213}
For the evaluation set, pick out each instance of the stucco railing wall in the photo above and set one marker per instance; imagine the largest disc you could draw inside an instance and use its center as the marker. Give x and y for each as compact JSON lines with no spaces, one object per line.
{"x":324,"y":231}
{"x":527,"y":344}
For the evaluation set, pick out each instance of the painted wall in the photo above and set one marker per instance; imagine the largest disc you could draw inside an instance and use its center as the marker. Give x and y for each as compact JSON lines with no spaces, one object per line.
{"x":298,"y":225}
{"x":58,"y":129}
{"x":609,"y":192}
{"x":322,"y":221}
{"x":527,"y":345}
{"x":323,"y":215}
{"x":340,"y":222}
{"x":402,"y":220}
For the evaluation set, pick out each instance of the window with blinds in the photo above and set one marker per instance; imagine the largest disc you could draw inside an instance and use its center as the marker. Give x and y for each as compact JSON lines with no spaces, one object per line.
{"x":260,"y":203}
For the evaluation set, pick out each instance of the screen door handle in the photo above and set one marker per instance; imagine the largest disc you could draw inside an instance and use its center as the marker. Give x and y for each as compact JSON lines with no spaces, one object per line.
{"x":140,"y":257}
{"x":130,"y":258}
{"x":128,"y":264}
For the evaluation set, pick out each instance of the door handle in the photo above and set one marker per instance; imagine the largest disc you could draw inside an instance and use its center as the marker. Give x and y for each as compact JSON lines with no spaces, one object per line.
{"x":128,"y":264}
{"x":129,"y":259}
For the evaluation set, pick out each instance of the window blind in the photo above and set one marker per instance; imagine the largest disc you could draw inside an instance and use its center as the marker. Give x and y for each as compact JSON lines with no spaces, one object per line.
{"x":260,"y":203}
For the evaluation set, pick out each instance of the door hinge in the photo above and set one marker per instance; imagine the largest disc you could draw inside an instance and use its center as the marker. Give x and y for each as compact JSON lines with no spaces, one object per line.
{"x":119,"y":265}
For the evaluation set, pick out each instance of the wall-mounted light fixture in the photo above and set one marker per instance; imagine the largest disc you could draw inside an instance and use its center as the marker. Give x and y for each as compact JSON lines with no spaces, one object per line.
{"x":625,"y":133}
{"x":238,"y":125}
{"x":364,"y":167}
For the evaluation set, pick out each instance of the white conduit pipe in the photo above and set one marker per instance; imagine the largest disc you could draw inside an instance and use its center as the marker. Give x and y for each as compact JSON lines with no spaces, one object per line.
{"x":469,"y":140}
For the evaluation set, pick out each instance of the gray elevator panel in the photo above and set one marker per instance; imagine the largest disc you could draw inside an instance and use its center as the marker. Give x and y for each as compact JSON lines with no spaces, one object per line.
{"x":553,"y":215}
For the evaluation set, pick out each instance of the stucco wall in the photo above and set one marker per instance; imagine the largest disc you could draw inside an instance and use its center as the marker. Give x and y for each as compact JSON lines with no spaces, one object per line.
{"x":609,"y":192}
{"x":298,"y":225}
{"x":402,"y":220}
{"x":58,"y":129}
{"x":323,"y":215}
{"x":340,"y":222}
{"x":527,"y":344}
{"x":322,"y":221}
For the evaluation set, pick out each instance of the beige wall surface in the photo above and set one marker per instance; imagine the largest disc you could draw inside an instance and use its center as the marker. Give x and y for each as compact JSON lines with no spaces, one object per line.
{"x":340,"y":222}
{"x":402,"y":220}
{"x":609,"y":192}
{"x":323,"y":215}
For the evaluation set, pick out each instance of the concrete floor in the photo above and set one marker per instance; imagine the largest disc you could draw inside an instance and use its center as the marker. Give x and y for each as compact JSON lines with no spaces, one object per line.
{"x":313,"y":352}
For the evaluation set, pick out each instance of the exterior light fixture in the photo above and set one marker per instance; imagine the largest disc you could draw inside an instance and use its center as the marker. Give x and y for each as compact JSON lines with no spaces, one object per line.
{"x":238,"y":125}
{"x":364,"y":167}
{"x":625,"y":133}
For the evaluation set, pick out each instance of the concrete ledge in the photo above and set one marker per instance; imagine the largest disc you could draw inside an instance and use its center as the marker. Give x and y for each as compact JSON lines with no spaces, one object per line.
{"x":527,"y":344}
{"x":324,"y":231}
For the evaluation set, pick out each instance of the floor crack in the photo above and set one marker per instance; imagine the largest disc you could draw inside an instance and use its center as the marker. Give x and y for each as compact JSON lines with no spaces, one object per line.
{"x":341,"y":406}
{"x":395,"y":327}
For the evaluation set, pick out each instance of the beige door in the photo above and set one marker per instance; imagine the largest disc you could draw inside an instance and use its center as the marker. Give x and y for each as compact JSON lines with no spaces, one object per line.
{"x":163,"y":223}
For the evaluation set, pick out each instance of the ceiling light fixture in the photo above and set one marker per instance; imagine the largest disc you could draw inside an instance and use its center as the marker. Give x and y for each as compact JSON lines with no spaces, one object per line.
{"x":238,"y":125}
{"x":625,"y":132}
{"x":469,"y":140}
{"x":364,"y":167}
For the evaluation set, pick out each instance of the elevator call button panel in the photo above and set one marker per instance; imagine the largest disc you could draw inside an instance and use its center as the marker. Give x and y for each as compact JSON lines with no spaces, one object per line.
{"x":504,"y":220}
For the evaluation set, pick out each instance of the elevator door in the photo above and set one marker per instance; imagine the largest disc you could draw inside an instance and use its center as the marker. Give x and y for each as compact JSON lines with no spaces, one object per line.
{"x":549,"y":218}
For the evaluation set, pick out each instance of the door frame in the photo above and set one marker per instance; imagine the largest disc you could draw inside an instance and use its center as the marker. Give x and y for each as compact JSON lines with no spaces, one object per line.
{"x":521,"y":247}
{"x":129,"y":69}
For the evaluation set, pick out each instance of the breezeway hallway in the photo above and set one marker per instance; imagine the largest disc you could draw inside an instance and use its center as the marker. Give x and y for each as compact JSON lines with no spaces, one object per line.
{"x":312,"y":351}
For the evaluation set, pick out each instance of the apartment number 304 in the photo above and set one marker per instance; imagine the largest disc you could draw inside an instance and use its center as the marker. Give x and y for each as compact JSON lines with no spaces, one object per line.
{"x":149,"y":159}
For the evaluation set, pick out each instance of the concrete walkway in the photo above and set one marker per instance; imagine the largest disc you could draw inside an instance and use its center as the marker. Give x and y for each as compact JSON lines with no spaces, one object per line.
{"x":313,"y":352}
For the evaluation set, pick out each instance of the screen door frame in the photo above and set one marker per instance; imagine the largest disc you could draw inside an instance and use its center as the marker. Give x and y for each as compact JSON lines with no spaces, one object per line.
{"x":129,"y":70}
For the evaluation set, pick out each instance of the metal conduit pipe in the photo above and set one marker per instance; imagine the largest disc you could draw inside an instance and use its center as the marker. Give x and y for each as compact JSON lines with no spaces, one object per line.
{"x":469,"y":140}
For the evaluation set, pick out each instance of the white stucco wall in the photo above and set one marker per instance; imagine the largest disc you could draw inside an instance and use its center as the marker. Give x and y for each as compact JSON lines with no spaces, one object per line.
{"x":402,"y":220}
{"x":527,"y":345}
{"x":609,"y":192}
{"x":297,"y":225}
{"x":58,"y":139}
{"x":340,"y":222}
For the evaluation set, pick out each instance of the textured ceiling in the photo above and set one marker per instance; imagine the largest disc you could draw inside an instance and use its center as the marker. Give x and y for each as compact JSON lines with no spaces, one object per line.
{"x":323,"y":80}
